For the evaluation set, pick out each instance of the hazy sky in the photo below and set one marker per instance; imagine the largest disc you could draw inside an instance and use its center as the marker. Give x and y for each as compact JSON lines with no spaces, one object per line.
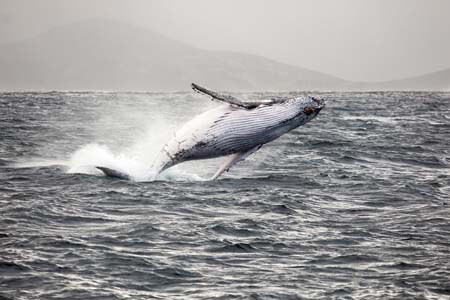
{"x":369,"y":40}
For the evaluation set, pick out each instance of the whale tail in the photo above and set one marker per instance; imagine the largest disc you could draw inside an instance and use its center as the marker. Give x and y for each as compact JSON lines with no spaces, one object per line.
{"x":114,"y":173}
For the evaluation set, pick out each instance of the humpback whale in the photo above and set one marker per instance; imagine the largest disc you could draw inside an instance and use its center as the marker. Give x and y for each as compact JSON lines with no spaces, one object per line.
{"x":236,"y":130}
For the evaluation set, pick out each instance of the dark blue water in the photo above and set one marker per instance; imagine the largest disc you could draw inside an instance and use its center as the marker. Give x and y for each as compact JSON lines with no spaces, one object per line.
{"x":354,"y":205}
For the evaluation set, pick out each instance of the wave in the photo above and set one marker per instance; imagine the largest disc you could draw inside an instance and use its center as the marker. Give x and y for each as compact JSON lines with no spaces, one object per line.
{"x":88,"y":157}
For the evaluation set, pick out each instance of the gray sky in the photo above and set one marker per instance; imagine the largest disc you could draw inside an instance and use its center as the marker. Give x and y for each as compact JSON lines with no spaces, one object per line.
{"x":361,"y":40}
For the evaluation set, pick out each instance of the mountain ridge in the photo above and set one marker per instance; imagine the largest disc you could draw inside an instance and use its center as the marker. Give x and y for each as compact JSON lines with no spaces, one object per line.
{"x":102,"y":54}
{"x":110,"y":55}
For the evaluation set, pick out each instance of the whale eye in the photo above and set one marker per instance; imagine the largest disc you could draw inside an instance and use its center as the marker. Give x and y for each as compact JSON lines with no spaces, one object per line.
{"x":308,"y":110}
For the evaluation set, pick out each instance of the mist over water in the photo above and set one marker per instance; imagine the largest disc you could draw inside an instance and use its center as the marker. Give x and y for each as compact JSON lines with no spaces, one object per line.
{"x":124,"y":136}
{"x":353,"y":205}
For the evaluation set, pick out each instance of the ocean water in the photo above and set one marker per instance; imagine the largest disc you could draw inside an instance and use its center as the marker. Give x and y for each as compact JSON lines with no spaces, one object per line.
{"x":353,"y":205}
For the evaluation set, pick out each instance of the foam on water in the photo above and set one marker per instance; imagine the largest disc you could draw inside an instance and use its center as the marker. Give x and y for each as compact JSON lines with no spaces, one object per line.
{"x":37,"y":163}
{"x":89,"y":156}
{"x":135,"y":161}
{"x":125,"y":136}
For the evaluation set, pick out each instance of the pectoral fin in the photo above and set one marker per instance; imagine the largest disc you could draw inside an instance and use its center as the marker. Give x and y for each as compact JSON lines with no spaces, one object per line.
{"x":234,"y":159}
{"x":233,"y":101}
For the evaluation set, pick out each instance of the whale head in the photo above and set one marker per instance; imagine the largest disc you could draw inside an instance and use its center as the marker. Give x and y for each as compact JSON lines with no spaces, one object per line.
{"x":310,"y":107}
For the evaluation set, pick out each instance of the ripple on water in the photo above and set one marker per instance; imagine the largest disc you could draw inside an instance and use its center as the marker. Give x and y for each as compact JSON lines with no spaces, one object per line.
{"x":353,"y":205}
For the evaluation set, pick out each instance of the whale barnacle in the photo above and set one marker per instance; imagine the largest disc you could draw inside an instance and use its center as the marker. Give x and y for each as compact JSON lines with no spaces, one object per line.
{"x":308,"y":110}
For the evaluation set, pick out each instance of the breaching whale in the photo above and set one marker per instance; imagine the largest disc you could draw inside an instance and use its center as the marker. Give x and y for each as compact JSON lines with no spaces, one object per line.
{"x":237,"y":130}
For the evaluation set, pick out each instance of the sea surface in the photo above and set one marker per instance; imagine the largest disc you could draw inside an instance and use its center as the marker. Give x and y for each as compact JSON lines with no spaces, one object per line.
{"x":353,"y":205}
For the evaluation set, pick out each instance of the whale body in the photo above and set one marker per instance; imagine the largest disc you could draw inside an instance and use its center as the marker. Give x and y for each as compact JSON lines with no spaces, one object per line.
{"x":236,"y":129}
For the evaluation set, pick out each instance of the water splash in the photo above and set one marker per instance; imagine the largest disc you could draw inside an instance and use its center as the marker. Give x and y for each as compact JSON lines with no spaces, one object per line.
{"x":88,"y":157}
{"x":123,"y":132}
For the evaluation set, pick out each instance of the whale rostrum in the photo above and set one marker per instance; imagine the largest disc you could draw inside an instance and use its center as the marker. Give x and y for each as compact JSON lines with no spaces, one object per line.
{"x":236,"y":129}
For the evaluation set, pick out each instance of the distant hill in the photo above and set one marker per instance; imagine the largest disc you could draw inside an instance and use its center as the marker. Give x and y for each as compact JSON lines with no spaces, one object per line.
{"x":437,"y":81}
{"x":110,"y":55}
